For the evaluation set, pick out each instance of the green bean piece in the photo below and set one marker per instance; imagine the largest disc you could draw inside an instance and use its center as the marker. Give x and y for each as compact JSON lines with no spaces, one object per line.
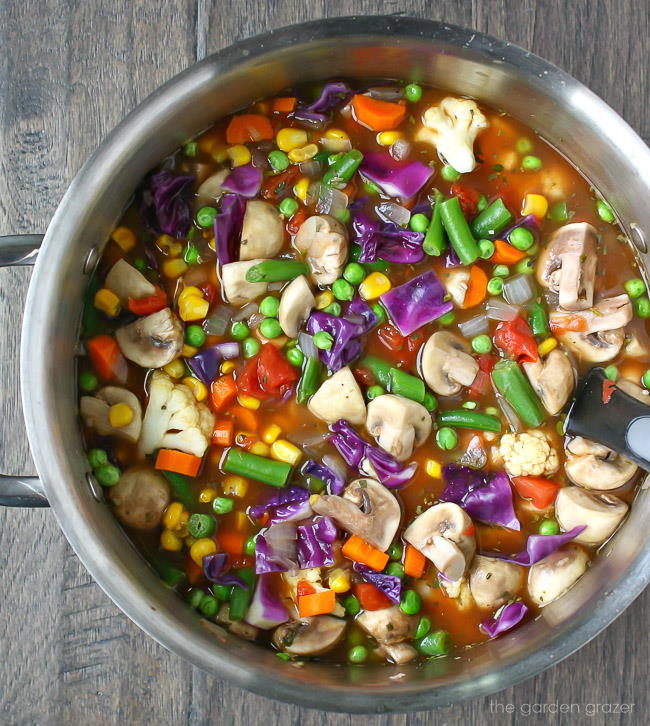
{"x":434,"y":243}
{"x":374,"y":391}
{"x":559,"y":212}
{"x":181,"y":489}
{"x":491,"y":220}
{"x":276,"y":271}
{"x":436,"y":643}
{"x":424,"y":626}
{"x":169,"y":574}
{"x":538,"y":320}
{"x":458,"y":231}
{"x":240,"y":598}
{"x":461,"y":418}
{"x":195,"y":597}
{"x":222,"y":592}
{"x":404,"y":384}
{"x":310,"y":379}
{"x":268,"y":471}
{"x":379,"y":369}
{"x":201,"y":525}
{"x":513,"y":385}
{"x":343,"y":169}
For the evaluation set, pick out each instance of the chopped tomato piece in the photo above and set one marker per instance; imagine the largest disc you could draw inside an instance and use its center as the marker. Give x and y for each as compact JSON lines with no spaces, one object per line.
{"x":279,"y":186}
{"x":223,"y":391}
{"x":370,"y":597}
{"x":515,"y":338}
{"x":294,"y":224}
{"x":148,"y":305}
{"x":608,"y":390}
{"x":273,"y":370}
{"x":305,"y":587}
{"x":467,"y":197}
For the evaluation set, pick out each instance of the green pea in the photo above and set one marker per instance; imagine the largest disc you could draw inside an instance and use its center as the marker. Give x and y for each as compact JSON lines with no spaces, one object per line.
{"x":378,"y":265}
{"x":501,"y":271}
{"x":334,"y":309}
{"x":375,"y":391}
{"x":642,"y":307}
{"x":482,"y":344}
{"x":278,"y":160}
{"x":295,"y":356}
{"x":526,"y":266}
{"x":611,"y":372}
{"x":410,"y":602}
{"x":645,"y":379}
{"x":270,"y":306}
{"x":482,"y":203}
{"x":195,"y":336}
{"x":413,"y":92}
{"x":97,"y":457}
{"x":201,"y":525}
{"x":195,"y":597}
{"x":492,"y":411}
{"x":495,"y":286}
{"x":396,"y":569}
{"x":140,"y":264}
{"x":419,"y":223}
{"x":205,"y":217}
{"x":395,"y":551}
{"x":446,"y":438}
{"x":249,"y":547}
{"x":532,"y":251}
{"x":424,"y":626}
{"x":470,"y":405}
{"x":88,"y":381}
{"x":523,"y":145}
{"x":357,"y":654}
{"x":107,"y":475}
{"x":323,"y":340}
{"x":222,"y":592}
{"x":378,"y":310}
{"x":548,"y":526}
{"x":635,"y":287}
{"x":352,"y":605}
{"x":354,"y":273}
{"x":531,"y":163}
{"x":449,"y":174}
{"x":436,"y":643}
{"x":485,"y":248}
{"x":270,"y":328}
{"x":191,"y":149}
{"x":342,"y":290}
{"x":447,"y":318}
{"x":521,"y":238}
{"x":209,"y":606}
{"x":192,"y":255}
{"x":239,"y":330}
{"x":430,"y":402}
{"x":222,"y":505}
{"x":605,"y":211}
{"x":251,"y":347}
{"x":288,"y":207}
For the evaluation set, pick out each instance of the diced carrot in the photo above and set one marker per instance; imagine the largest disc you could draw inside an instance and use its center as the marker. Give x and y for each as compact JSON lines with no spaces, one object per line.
{"x":377,"y":115}
{"x":223,"y":391}
{"x":414,"y":562}
{"x":231,"y":541}
{"x":178,"y":462}
{"x":223,"y":433}
{"x":371,"y":597}
{"x":476,"y":287}
{"x":505,"y":253}
{"x":573,"y":323}
{"x":285,"y":104}
{"x":246,"y":417}
{"x":540,"y":491}
{"x":359,"y":550}
{"x":106,"y":357}
{"x":319,"y":603}
{"x":248,"y":127}
{"x":305,"y":587}
{"x":294,"y":224}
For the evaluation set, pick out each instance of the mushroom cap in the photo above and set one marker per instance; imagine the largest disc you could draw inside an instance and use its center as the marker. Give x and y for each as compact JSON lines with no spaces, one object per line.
{"x":339,"y":396}
{"x":551,"y":577}
{"x":140,"y":497}
{"x":398,"y":653}
{"x":567,"y":265}
{"x":600,"y":513}
{"x":388,"y":626}
{"x":152,"y":341}
{"x":296,"y":303}
{"x":493,"y":582}
{"x":125,"y":281}
{"x":94,"y":412}
{"x":309,"y":636}
{"x":398,"y":424}
{"x":446,"y":364}
{"x":553,"y":379}
{"x":594,"y":466}
{"x":609,"y":313}
{"x":235,"y":288}
{"x":262,"y":233}
{"x":366,"y":509}
{"x":325,"y":242}
{"x":456,"y":282}
{"x":594,"y":348}
{"x":210,"y":190}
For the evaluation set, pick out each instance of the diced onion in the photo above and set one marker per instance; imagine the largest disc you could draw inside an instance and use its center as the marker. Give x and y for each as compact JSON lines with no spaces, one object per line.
{"x":312,"y":193}
{"x":255,"y":319}
{"x":519,"y":289}
{"x":474,"y":326}
{"x":217,"y":323}
{"x":499,"y":310}
{"x":330,"y":200}
{"x":311,"y":168}
{"x":336,"y":145}
{"x":400,"y":149}
{"x":386,"y":93}
{"x":391,"y":212}
{"x":275,"y":286}
{"x":509,"y":413}
{"x":245,"y":311}
{"x":336,"y":464}
{"x":306,"y":345}
{"x":308,"y":436}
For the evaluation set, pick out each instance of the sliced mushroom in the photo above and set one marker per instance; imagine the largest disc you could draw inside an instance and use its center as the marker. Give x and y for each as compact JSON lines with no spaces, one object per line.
{"x":366,"y":509}
{"x":325,"y":242}
{"x":567,"y":265}
{"x":339,"y":397}
{"x":600,"y":513}
{"x":296,"y":303}
{"x":235,"y":287}
{"x":594,"y":466}
{"x":94,"y":412}
{"x":636,"y":344}
{"x":634,"y":389}
{"x":262,"y":233}
{"x":551,"y":577}
{"x":440,"y":533}
{"x":608,"y":314}
{"x":125,"y":281}
{"x":152,"y":341}
{"x":553,"y":379}
{"x":446,"y":364}
{"x":493,"y":582}
{"x":398,"y":424}
{"x":140,"y":497}
{"x":388,"y":626}
{"x":398,"y":653}
{"x":456,"y":282}
{"x":210,"y":190}
{"x":594,"y":348}
{"x":310,"y":636}
{"x":238,"y":627}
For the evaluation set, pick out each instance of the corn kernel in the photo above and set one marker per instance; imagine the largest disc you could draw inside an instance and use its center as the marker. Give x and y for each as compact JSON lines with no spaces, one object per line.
{"x":201,"y":548}
{"x":197,"y":387}
{"x":123,"y":237}
{"x":303,"y":154}
{"x":248,"y":401}
{"x":388,"y":138}
{"x":207,"y":495}
{"x":169,"y":245}
{"x":288,"y":139}
{"x":301,"y":189}
{"x":239,"y":155}
{"x":120,"y":415}
{"x":271,"y":433}
{"x":188,"y":291}
{"x":228,"y":366}
{"x":546,"y":346}
{"x":193,"y":307}
{"x":283,"y":450}
{"x":535,"y":204}
{"x":260,"y":448}
{"x":339,"y":580}
{"x":218,"y":153}
{"x":174,"y":268}
{"x":374,"y":285}
{"x":336,"y":134}
{"x":313,"y":498}
{"x":108,"y":302}
{"x":188,"y":351}
{"x":241,"y":521}
{"x":433,"y":468}
{"x":323,"y":299}
{"x":175,"y":369}
{"x":172,"y":516}
{"x":235,"y":486}
{"x":170,"y":542}
{"x":335,"y":140}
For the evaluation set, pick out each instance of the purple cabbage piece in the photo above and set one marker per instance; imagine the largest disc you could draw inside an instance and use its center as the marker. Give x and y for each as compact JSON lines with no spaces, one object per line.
{"x":244,"y":180}
{"x":232,"y":580}
{"x":285,"y":505}
{"x":213,"y":565}
{"x":505,"y":619}
{"x":266,"y":610}
{"x":538,"y":546}
{"x":390,"y":585}
{"x":358,"y":307}
{"x":388,"y":242}
{"x":530,"y":221}
{"x":346,"y":346}
{"x":332,"y":95}
{"x":451,"y":258}
{"x":164,"y":208}
{"x":416,"y":302}
{"x":335,"y":483}
{"x":396,"y":178}
{"x":205,"y":364}
{"x":272,"y":554}
{"x":356,"y":452}
{"x":227,"y":228}
{"x":484,"y":496}
{"x":314,"y":544}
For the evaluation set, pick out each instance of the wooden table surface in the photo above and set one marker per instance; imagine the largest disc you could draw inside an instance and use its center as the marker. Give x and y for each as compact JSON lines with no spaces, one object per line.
{"x":69,"y":72}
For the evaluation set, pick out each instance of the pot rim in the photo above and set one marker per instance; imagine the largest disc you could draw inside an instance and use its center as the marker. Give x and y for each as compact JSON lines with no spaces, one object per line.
{"x":164,"y":626}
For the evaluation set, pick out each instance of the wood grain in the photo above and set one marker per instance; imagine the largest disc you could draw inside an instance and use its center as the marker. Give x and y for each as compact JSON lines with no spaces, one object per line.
{"x":69,"y":71}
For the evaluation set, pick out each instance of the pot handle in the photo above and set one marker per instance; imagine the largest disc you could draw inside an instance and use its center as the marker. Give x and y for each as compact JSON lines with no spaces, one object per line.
{"x":21,"y":491}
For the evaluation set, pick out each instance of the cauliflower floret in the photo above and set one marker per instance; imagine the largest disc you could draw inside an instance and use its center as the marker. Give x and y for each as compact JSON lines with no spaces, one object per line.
{"x":174,"y":419}
{"x":452,"y":128}
{"x":528,"y":454}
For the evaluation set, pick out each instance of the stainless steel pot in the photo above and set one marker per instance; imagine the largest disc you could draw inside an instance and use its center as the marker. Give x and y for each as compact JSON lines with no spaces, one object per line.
{"x":563,"y":111}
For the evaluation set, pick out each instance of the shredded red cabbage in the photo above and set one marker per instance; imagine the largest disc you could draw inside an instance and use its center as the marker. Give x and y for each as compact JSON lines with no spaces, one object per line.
{"x":505,"y":618}
{"x":388,"y":242}
{"x":357,"y":306}
{"x":213,"y":565}
{"x":416,"y":302}
{"x":332,"y":95}
{"x":396,"y":178}
{"x":335,"y":483}
{"x":290,"y":548}
{"x":346,"y":346}
{"x":266,"y":610}
{"x":205,"y":364}
{"x":314,"y":543}
{"x":227,"y":228}
{"x":245,"y":180}
{"x":390,"y":585}
{"x":285,"y":505}
{"x":538,"y":547}
{"x":164,"y":208}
